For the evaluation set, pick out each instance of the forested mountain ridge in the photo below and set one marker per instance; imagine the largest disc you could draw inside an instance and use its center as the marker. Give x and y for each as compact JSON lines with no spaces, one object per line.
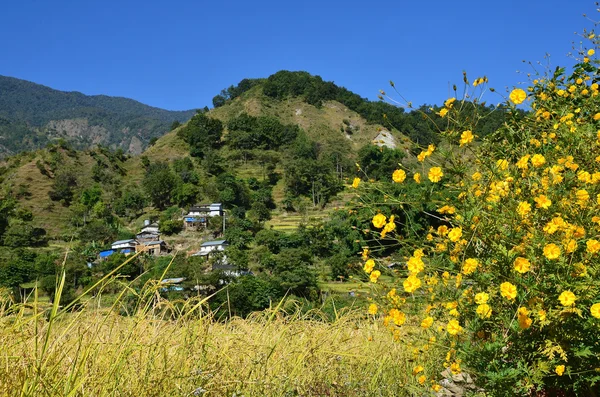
{"x":295,"y":134}
{"x":32,"y":115}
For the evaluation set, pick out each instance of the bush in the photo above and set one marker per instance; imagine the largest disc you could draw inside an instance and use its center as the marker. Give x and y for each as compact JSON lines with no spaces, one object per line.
{"x":511,"y":286}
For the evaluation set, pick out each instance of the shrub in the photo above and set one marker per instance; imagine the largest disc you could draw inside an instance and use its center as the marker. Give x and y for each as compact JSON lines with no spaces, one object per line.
{"x":510,"y":287}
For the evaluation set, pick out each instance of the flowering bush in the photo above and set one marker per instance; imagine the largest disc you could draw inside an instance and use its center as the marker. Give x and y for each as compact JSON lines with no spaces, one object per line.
{"x":508,"y":284}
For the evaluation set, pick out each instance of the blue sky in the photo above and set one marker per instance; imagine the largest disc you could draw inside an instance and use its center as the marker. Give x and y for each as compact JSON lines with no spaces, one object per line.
{"x":179,"y":54}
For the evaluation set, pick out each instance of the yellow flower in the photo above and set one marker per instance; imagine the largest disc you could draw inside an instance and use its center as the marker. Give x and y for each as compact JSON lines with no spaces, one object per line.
{"x":522,"y":265}
{"x":448,"y":103}
{"x":470,"y":266}
{"x":418,"y":369}
{"x":484,"y":310}
{"x":481,"y":298}
{"x":593,"y":246}
{"x":411,"y":284}
{"x":373,"y":309}
{"x":355,"y":183}
{"x":415,"y":265}
{"x":427,"y":322}
{"x":537,"y":160}
{"x":379,"y":220}
{"x":453,"y":327}
{"x":455,"y":234}
{"x":551,"y":251}
{"x":417,"y":177}
{"x":508,"y":290}
{"x":397,"y":316}
{"x":455,"y":368}
{"x":517,"y":96}
{"x":435,"y":174}
{"x":369,"y":265}
{"x":523,"y":208}
{"x":447,"y":209}
{"x":567,"y":298}
{"x":502,"y":164}
{"x":443,"y":112}
{"x":570,"y":246}
{"x":375,"y":274}
{"x":365,"y":253}
{"x":560,"y":370}
{"x":591,"y":52}
{"x":522,"y":163}
{"x":524,"y":322}
{"x":582,"y":196}
{"x":466,"y":137}
{"x":542,"y":202}
{"x":399,"y":176}
{"x":595,"y":310}
{"x":422,"y":379}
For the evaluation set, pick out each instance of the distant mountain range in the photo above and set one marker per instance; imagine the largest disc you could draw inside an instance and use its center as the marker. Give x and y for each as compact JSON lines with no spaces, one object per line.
{"x":33,"y":115}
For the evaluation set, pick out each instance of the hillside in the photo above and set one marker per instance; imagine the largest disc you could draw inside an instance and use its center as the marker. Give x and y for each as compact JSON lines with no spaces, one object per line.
{"x":338,"y":126}
{"x":31,"y":115}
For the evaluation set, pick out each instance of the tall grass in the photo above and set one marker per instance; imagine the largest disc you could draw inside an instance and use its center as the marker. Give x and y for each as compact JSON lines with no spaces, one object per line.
{"x":178,"y":348}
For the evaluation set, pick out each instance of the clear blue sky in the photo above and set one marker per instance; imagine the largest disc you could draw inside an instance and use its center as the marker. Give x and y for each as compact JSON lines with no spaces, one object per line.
{"x":178,"y":54}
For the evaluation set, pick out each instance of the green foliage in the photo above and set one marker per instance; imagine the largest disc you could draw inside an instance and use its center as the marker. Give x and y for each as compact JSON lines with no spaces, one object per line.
{"x":202,"y":133}
{"x":131,"y":203}
{"x":159,"y":184}
{"x":234,"y":91}
{"x":97,"y":231}
{"x":170,"y":227}
{"x":232,"y":191}
{"x":247,"y":294}
{"x":340,"y":266}
{"x":26,"y":110}
{"x":23,"y":234}
{"x":379,"y":162}
{"x":263,"y":132}
{"x":63,"y":186}
{"x":294,"y":274}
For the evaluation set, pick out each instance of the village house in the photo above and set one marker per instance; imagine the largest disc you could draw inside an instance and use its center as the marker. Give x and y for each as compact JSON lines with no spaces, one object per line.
{"x":154,"y":248}
{"x":125,"y":246}
{"x":211,"y":247}
{"x":122,"y":246}
{"x":150,"y":232}
{"x":197,"y":216}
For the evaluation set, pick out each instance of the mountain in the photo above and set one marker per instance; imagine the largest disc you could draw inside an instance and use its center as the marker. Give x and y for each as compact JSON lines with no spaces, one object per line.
{"x":33,"y":115}
{"x":323,"y":131}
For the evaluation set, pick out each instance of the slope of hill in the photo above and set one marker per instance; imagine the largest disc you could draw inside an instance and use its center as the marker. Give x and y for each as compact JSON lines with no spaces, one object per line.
{"x":31,"y":115}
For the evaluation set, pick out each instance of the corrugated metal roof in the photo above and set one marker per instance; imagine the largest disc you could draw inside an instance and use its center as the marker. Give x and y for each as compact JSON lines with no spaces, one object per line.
{"x":153,"y":242}
{"x":123,"y":241}
{"x":216,"y":242}
{"x":176,"y":280}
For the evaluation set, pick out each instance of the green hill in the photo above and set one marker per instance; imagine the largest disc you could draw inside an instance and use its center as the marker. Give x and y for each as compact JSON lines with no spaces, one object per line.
{"x":32,"y":115}
{"x":297,"y":176}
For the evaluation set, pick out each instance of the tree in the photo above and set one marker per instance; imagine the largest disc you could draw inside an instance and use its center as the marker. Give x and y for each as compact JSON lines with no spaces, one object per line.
{"x":293,"y":273}
{"x":379,"y":162}
{"x":7,"y":208}
{"x":159,"y":183}
{"x":131,"y":203}
{"x":202,"y":133}
{"x":63,"y":186}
